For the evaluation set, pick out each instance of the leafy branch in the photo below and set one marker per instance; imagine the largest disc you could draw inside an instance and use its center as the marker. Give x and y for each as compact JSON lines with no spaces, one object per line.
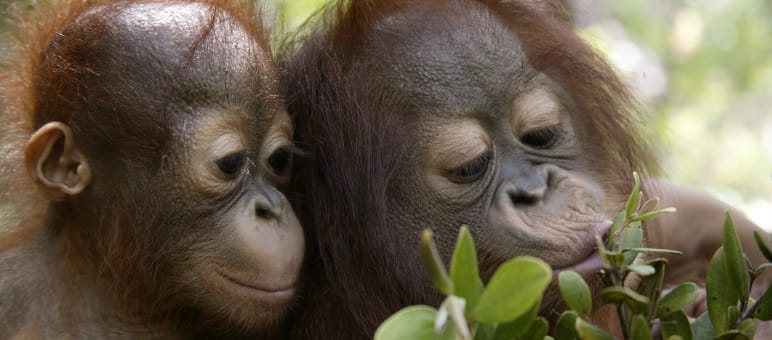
{"x":507,"y":308}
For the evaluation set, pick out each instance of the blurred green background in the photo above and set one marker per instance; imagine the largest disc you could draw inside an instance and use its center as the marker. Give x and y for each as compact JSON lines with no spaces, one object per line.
{"x":702,"y":68}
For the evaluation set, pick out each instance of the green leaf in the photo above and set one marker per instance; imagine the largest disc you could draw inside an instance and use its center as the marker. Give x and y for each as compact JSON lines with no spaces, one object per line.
{"x":638,"y":303}
{"x":719,"y":290}
{"x":748,"y":327}
{"x":486,"y":331}
{"x":762,"y":267}
{"x":463,"y":270}
{"x":433,"y":264}
{"x":514,"y":288}
{"x":762,"y":244}
{"x":735,"y":260}
{"x":677,"y":299}
{"x":676,"y":324}
{"x":651,"y":286}
{"x":565,"y":328}
{"x":731,"y":316}
{"x":656,"y":250}
{"x":412,"y":323}
{"x":536,"y":331}
{"x":575,"y":292}
{"x":616,"y":227}
{"x":763,"y":310}
{"x":615,"y":259}
{"x":631,"y":237}
{"x":649,"y":205}
{"x":634,"y":201}
{"x":588,"y":331}
{"x":732,"y":335}
{"x":702,"y":328}
{"x":652,"y":214}
{"x":453,"y":307}
{"x":642,"y":269}
{"x":515,"y":328}
{"x":640,"y":329}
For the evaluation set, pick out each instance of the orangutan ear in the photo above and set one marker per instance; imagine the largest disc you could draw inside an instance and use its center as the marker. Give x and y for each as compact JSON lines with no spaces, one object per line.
{"x":55,"y":162}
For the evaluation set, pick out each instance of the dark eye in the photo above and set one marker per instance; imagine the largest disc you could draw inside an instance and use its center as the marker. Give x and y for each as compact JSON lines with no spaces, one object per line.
{"x":233,"y":163}
{"x":473,"y":170}
{"x":280,"y":160}
{"x":541,"y":139}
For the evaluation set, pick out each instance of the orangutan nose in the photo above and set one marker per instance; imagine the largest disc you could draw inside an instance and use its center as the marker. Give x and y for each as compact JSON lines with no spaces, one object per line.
{"x":269,"y":204}
{"x":527,"y":191}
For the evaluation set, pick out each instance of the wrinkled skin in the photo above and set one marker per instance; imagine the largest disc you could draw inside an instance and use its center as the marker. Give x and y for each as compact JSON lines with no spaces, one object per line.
{"x":161,"y":145}
{"x":495,"y":148}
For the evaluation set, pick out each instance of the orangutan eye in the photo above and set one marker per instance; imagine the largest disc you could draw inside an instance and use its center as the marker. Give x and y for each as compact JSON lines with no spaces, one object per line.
{"x":541,"y":139}
{"x":281,"y":160}
{"x":471,"y":171}
{"x":233,"y":163}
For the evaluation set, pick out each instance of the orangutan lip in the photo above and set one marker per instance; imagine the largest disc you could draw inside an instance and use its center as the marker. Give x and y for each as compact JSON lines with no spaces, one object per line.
{"x":592,"y":262}
{"x":269,"y":296}
{"x":589,"y":265}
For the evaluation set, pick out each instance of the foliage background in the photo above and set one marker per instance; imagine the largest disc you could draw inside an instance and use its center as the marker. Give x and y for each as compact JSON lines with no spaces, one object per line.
{"x":702,"y":67}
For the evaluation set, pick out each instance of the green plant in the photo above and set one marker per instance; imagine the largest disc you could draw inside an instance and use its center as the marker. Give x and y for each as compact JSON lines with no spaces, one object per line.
{"x":507,"y":308}
{"x":472,"y":310}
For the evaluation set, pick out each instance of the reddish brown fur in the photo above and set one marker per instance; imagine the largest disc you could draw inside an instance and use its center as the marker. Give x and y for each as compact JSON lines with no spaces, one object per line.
{"x":32,"y":31}
{"x":355,"y":135}
{"x":37,"y":85}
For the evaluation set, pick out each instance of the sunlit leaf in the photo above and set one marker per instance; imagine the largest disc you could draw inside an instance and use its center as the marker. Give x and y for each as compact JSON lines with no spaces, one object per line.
{"x":575,"y":292}
{"x":463,"y":270}
{"x":434,"y":265}
{"x":412,"y":323}
{"x":514,"y":288}
{"x":677,"y":299}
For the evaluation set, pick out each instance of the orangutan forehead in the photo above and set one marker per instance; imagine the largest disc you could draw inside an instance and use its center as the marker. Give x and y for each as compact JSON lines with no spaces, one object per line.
{"x":461,"y":59}
{"x":181,"y":16}
{"x":172,"y":31}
